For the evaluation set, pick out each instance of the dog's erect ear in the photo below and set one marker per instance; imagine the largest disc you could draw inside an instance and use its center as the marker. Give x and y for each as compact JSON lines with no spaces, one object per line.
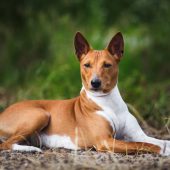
{"x":116,"y":46}
{"x":81,"y":45}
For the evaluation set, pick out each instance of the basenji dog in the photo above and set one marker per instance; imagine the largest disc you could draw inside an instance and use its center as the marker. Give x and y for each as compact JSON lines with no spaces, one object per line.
{"x":98,"y":118}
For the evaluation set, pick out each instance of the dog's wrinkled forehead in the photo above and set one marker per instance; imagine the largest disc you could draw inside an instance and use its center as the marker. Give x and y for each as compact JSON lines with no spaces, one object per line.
{"x":96,"y":55}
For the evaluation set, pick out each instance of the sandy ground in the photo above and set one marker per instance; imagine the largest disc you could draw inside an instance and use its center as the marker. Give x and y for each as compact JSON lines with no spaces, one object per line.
{"x":68,"y":160}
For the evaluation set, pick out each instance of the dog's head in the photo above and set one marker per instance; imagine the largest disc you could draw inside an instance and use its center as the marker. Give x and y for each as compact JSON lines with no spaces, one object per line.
{"x":99,"y":68}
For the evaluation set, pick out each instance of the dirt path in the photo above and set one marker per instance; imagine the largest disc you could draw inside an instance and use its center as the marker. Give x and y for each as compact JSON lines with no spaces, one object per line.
{"x":68,"y":160}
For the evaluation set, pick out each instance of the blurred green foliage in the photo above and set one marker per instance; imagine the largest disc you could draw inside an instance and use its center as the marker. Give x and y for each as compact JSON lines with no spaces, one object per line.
{"x":37,"y":57}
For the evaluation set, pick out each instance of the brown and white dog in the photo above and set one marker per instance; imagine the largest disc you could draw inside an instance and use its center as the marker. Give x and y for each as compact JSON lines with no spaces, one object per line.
{"x":98,"y":118}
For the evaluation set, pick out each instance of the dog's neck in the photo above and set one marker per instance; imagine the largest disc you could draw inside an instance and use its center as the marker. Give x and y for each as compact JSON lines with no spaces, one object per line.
{"x":112,"y":100}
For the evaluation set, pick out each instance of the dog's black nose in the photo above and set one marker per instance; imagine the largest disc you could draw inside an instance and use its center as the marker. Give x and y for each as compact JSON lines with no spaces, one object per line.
{"x":96,"y":83}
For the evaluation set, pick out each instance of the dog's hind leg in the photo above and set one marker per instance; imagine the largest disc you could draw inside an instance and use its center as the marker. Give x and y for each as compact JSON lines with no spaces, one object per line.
{"x":28,"y":122}
{"x":11,"y":144}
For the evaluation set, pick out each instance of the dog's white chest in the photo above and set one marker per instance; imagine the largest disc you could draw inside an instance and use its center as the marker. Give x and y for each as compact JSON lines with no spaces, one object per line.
{"x":110,"y":117}
{"x":113,"y":108}
{"x":57,"y":141}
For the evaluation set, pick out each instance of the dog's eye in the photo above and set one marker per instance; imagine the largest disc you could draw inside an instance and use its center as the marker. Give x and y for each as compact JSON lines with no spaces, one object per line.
{"x":87,"y":65}
{"x":106,"y":65}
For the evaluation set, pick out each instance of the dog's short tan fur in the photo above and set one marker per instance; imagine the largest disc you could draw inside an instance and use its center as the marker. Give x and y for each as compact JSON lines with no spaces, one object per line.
{"x":75,"y":117}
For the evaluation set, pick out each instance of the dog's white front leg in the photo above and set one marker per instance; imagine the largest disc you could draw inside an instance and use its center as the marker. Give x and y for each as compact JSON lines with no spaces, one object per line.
{"x":133,"y":132}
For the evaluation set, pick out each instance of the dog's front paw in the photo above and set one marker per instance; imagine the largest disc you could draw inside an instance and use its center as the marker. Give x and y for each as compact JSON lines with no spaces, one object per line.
{"x":165,"y":150}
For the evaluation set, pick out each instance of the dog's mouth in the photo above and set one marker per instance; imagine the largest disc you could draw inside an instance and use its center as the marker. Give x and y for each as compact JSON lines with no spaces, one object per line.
{"x":95,"y":89}
{"x":98,"y":92}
